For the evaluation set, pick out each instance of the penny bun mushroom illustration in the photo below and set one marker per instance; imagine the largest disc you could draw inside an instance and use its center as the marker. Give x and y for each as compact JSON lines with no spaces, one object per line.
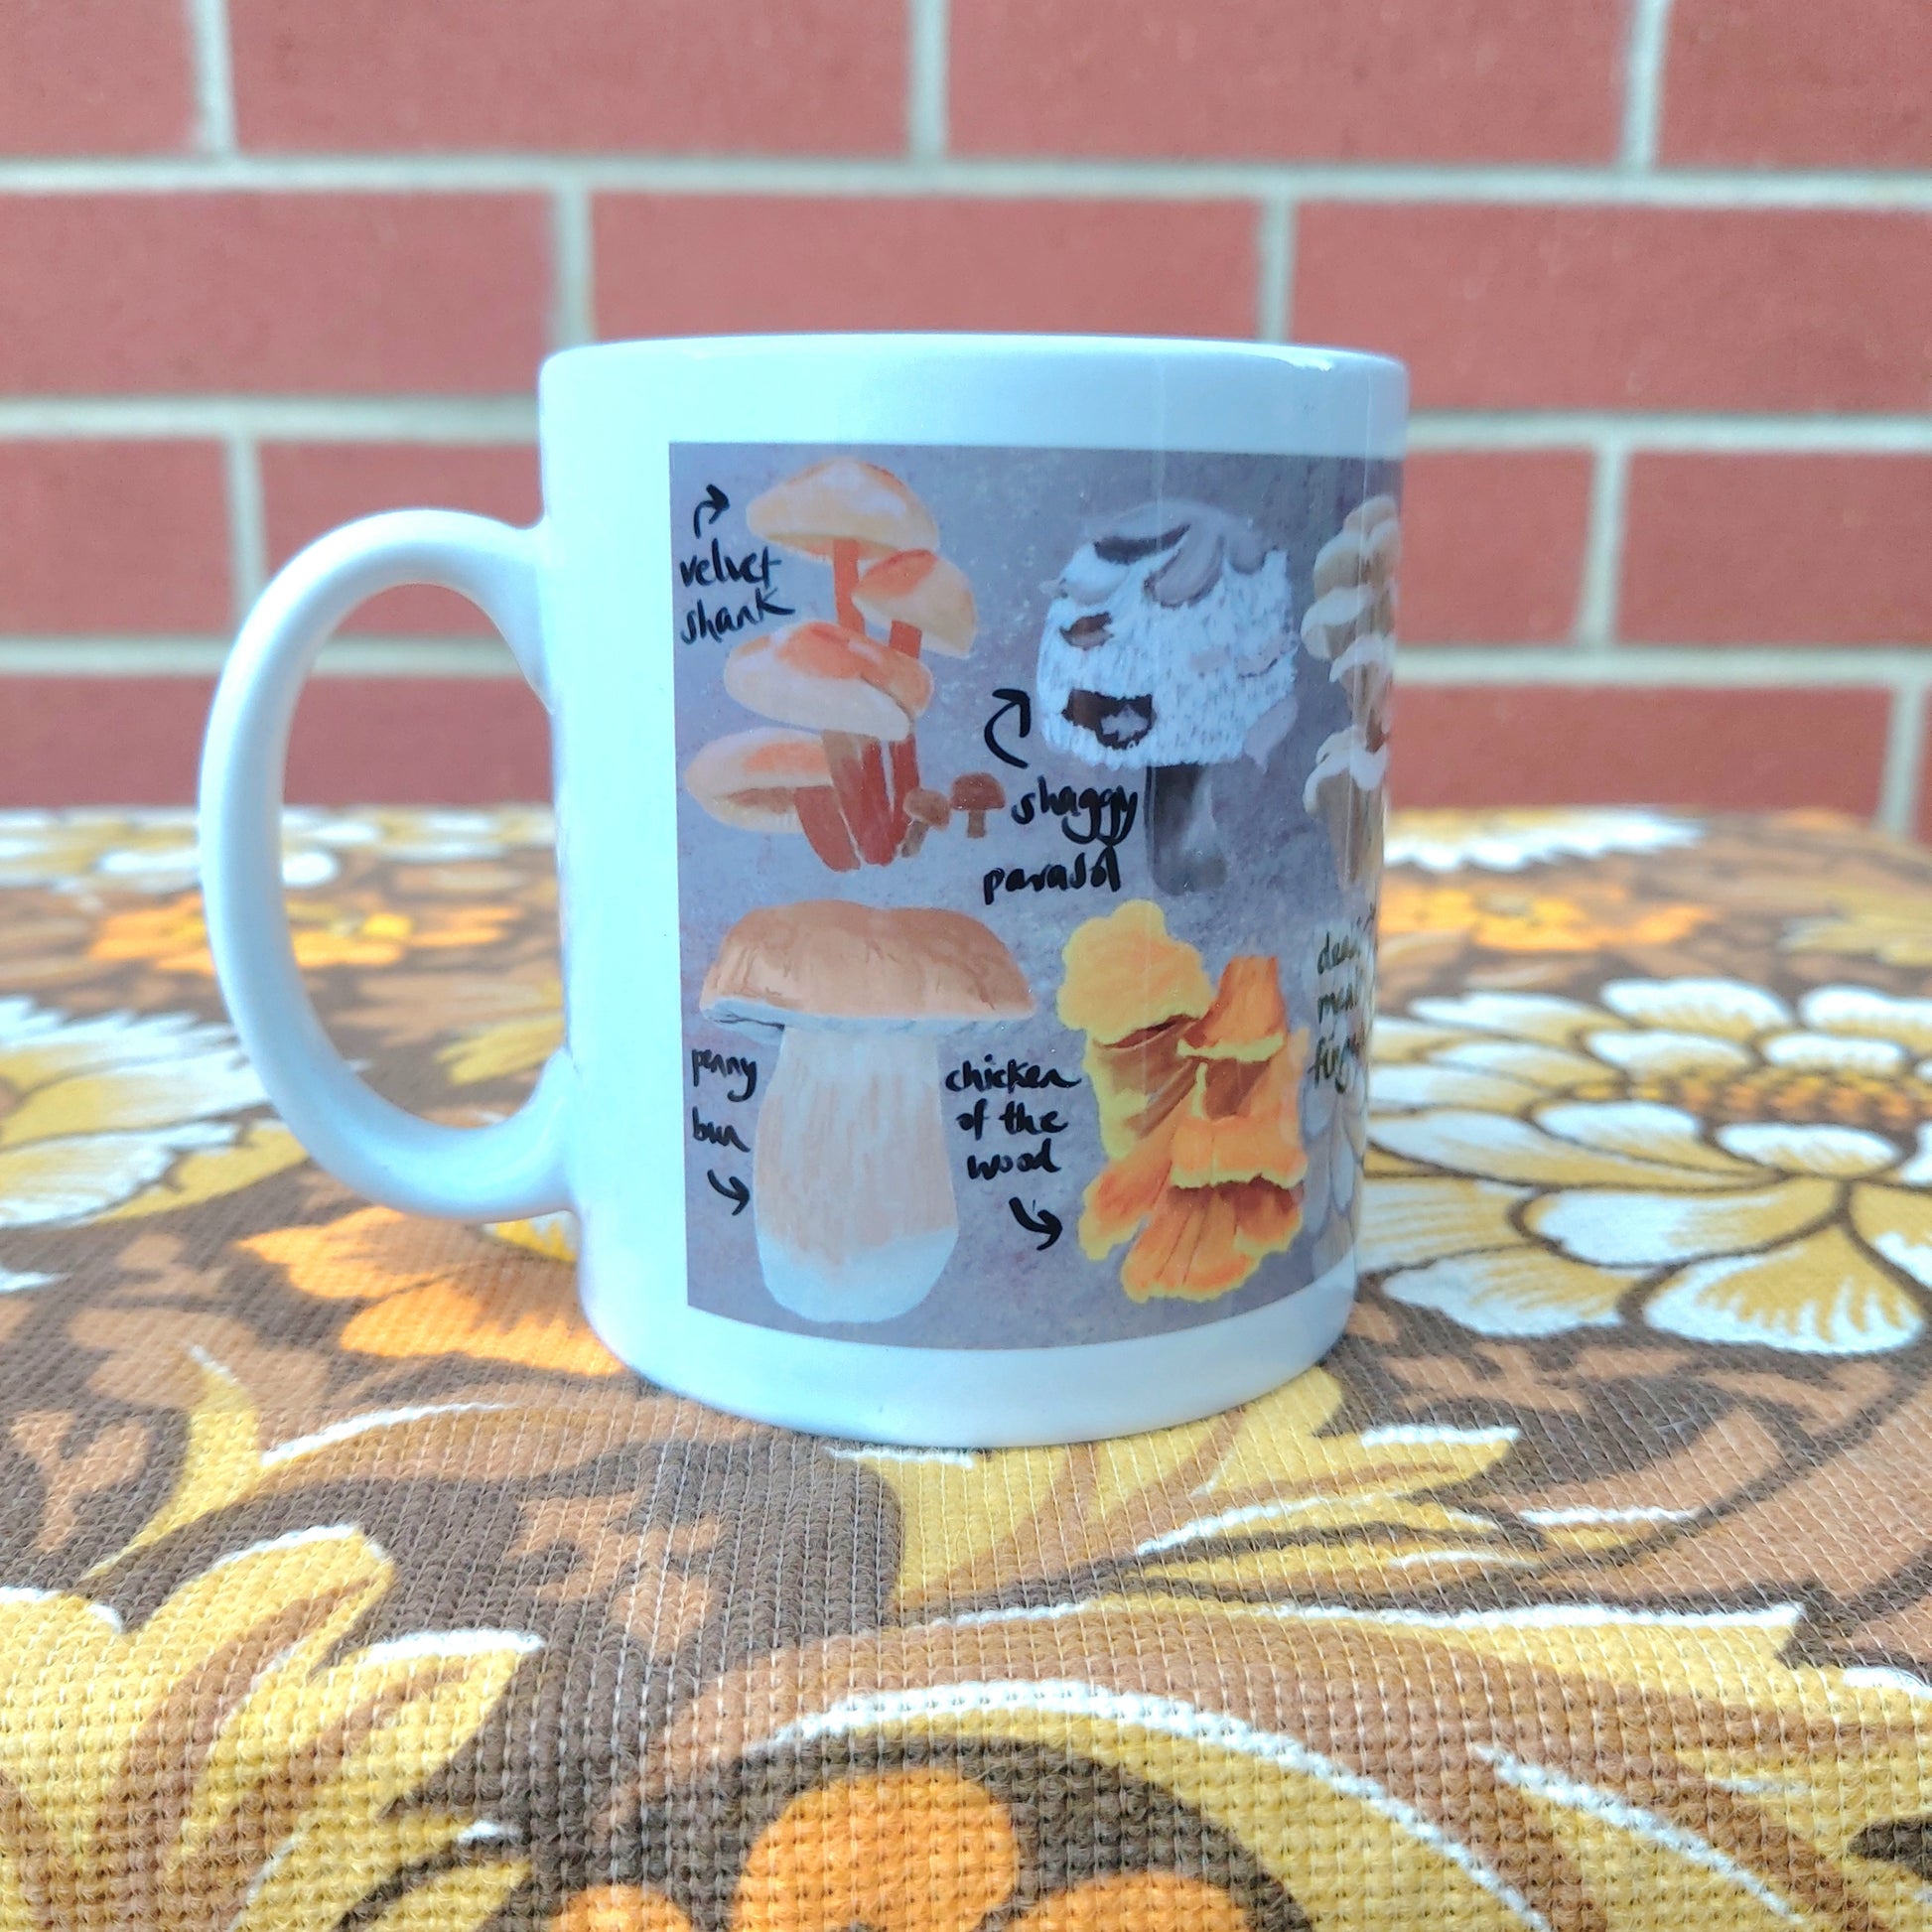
{"x":857,"y":694}
{"x":1350,"y":626}
{"x":852,"y":1189}
{"x":1168,"y":647}
{"x":848,"y":513}
{"x":774,"y":782}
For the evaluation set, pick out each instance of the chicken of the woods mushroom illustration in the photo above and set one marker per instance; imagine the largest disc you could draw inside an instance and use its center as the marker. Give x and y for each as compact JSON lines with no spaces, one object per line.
{"x":1350,"y":626}
{"x":1169,"y":648}
{"x":850,"y":1185}
{"x":862,"y":693}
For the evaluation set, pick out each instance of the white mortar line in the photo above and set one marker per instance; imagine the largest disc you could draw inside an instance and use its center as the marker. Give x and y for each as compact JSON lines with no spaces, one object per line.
{"x":214,"y":115}
{"x":1274,"y":270}
{"x":1898,"y":791}
{"x":539,"y":174}
{"x":247,"y":524}
{"x":1449,"y":428}
{"x":1643,"y":82}
{"x":927,"y":33}
{"x":573,"y":253}
{"x":320,"y":419}
{"x":1820,"y":666}
{"x":203,"y":656}
{"x":1597,"y":596}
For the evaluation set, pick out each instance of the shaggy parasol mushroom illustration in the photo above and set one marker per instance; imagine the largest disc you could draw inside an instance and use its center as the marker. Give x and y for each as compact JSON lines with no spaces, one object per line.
{"x":857,"y":694}
{"x":850,"y":1185}
{"x":1169,"y":648}
{"x":1351,"y":627}
{"x":922,"y":599}
{"x":1197,"y":1090}
{"x":774,"y":782}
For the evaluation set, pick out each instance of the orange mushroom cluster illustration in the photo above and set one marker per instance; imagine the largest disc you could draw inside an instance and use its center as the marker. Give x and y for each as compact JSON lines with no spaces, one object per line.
{"x":1197,"y":1087}
{"x":843,"y":766}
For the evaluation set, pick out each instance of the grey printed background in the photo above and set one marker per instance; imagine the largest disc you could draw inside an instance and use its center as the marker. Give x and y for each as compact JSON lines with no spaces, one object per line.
{"x":1010,"y":519}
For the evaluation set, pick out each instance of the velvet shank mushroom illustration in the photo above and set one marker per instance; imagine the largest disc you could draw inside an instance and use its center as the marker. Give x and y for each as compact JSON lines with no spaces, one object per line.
{"x":857,"y":694}
{"x":774,"y":782}
{"x":1350,"y":626}
{"x":851,"y":1184}
{"x":846,"y":511}
{"x":1169,"y":648}
{"x":922,"y":598}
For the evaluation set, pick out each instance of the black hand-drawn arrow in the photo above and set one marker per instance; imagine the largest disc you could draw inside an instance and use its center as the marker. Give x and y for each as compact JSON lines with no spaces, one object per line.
{"x":1042,"y":1220}
{"x":716,"y":503}
{"x":733,"y":1189}
{"x":1014,"y":701}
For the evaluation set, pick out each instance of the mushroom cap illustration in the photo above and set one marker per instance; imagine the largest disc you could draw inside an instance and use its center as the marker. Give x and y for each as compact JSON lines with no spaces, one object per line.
{"x":926,"y":590}
{"x":843,"y":500}
{"x":930,"y":808}
{"x":850,"y":1185}
{"x":829,"y":679}
{"x":752,"y":778}
{"x":1168,"y":639}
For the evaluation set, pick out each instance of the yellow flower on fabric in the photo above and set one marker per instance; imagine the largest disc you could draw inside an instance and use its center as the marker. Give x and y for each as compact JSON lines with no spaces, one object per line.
{"x":912,"y":1851}
{"x":230,"y":1763}
{"x":1871,"y":924}
{"x":1508,"y":918}
{"x":1693,"y":1151}
{"x":173,"y":938}
{"x":95,"y":1112}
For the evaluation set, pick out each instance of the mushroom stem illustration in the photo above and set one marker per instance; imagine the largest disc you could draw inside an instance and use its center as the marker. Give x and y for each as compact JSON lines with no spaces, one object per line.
{"x":850,"y":1185}
{"x":845,"y":579}
{"x":1184,"y":843}
{"x":857,"y":694}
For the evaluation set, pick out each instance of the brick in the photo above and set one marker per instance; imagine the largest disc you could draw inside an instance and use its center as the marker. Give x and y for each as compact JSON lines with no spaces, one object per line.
{"x":1627,"y":308}
{"x":1792,"y":83}
{"x":288,"y":292}
{"x":791,"y":76}
{"x":1781,"y":549}
{"x":105,"y":538}
{"x":1493,"y":545}
{"x":1290,"y":80}
{"x":701,"y":264}
{"x":310,"y":487}
{"x":1746,"y":748}
{"x":137,"y":740}
{"x":95,"y":77}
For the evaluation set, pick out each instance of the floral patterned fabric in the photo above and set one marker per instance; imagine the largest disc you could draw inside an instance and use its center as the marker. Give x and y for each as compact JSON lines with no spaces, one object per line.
{"x":344,"y":1580}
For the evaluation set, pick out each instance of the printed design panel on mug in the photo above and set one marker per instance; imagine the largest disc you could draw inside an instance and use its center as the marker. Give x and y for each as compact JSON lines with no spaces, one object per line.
{"x":1030,"y":828}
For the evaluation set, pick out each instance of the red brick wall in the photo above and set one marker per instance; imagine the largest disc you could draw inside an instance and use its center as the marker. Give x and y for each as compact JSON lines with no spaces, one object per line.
{"x":1662,"y":268}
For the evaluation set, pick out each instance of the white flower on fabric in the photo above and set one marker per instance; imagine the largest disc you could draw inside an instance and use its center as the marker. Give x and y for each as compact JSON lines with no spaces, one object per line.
{"x":1693,"y":1152}
{"x":1507,"y":841}
{"x":93,"y":1111}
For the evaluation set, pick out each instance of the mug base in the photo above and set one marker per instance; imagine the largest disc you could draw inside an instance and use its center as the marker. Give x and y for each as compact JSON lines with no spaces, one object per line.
{"x":954,"y":1399}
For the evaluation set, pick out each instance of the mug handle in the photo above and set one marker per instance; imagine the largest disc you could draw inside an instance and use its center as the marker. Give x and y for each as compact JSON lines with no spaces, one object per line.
{"x":519,"y":1165}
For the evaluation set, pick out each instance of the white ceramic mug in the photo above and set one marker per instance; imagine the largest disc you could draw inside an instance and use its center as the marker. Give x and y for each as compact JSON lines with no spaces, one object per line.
{"x":970,"y":756}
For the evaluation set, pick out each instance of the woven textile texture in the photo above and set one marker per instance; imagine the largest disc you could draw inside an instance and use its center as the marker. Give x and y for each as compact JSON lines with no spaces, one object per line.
{"x":345,"y":1579}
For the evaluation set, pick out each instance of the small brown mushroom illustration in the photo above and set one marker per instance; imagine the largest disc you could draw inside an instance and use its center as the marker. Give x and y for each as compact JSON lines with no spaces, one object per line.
{"x":975,"y":793}
{"x":857,"y":694}
{"x":774,"y":782}
{"x":851,"y":1182}
{"x":928,"y":812}
{"x":845,"y":511}
{"x":923,"y":598}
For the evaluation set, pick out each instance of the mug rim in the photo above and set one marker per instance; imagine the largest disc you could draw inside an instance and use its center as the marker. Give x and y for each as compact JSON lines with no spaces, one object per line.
{"x":1302,"y":358}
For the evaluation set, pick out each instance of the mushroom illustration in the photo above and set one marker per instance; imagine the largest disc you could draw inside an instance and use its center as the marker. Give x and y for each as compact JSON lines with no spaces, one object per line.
{"x":774,"y":782}
{"x":846,"y":511}
{"x":975,"y":793}
{"x":920,"y":597}
{"x":1350,"y":626}
{"x":928,"y":812}
{"x":857,"y":694}
{"x":851,"y":1184}
{"x":1168,"y":647}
